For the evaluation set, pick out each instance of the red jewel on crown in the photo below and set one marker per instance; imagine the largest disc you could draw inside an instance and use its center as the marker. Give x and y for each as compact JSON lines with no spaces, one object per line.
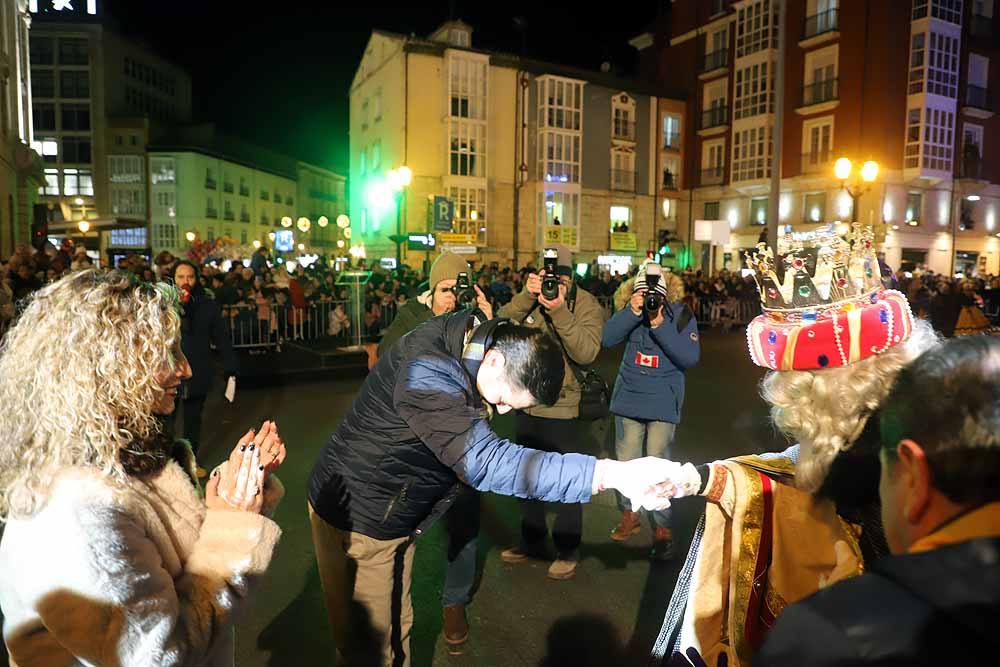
{"x":841,"y":283}
{"x":772,"y":293}
{"x":798,"y":263}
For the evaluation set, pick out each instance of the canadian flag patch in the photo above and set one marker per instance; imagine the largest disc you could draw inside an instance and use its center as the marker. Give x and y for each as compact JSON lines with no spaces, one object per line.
{"x":647,"y":360}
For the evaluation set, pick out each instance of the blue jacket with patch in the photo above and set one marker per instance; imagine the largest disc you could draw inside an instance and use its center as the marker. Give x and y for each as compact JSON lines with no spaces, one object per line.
{"x":650,"y":383}
{"x":417,"y":428}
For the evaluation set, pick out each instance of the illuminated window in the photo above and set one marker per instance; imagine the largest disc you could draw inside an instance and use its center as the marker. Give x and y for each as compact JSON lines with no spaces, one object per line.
{"x":814,"y":207}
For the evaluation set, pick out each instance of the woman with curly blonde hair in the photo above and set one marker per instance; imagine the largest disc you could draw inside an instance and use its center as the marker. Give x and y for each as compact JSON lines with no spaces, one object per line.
{"x":111,"y":553}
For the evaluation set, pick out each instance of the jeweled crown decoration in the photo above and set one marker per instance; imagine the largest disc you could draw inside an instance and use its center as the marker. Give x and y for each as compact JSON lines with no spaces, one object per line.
{"x":818,"y":271}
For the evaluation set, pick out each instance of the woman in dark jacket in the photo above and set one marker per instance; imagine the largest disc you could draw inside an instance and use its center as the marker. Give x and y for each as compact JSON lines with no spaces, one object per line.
{"x":201,"y":325}
{"x":649,"y":392}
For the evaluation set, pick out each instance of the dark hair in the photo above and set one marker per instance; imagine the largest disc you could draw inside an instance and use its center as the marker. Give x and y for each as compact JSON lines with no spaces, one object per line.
{"x":533,"y":361}
{"x":194,"y":267}
{"x":948,"y":402}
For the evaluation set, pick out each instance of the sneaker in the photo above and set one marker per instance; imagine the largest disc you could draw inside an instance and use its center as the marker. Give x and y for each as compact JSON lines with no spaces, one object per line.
{"x":663,"y":545}
{"x":627,"y":527}
{"x":563,"y":567}
{"x":456,"y":627}
{"x":514,"y":555}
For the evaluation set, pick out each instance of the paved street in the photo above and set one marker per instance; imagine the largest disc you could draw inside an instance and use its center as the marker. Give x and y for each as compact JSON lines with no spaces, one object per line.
{"x":608,"y":614}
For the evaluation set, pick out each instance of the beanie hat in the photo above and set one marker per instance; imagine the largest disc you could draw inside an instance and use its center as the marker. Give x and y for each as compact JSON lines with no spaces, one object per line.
{"x":447,"y":267}
{"x":564,"y":263}
{"x":650,"y":268}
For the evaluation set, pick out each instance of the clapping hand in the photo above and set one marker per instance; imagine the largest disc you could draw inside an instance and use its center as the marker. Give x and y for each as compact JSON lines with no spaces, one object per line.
{"x":238,"y":484}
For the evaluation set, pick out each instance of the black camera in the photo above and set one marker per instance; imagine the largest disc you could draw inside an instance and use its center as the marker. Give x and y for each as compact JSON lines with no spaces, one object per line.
{"x":465,"y":294}
{"x":550,"y":282}
{"x":654,"y":300}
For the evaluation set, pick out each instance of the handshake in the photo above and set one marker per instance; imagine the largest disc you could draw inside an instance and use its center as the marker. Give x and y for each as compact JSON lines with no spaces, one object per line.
{"x":649,"y":483}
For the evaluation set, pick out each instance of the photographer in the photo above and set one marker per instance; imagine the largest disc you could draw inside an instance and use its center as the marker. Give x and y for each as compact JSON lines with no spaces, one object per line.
{"x":552,"y":303}
{"x":662,"y":336}
{"x":462,"y":520}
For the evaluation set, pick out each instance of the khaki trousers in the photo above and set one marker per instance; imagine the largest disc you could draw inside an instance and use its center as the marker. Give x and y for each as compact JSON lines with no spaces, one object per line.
{"x":366,"y":583}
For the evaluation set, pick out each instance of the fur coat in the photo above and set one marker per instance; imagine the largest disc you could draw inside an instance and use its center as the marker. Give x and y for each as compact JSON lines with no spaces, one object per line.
{"x":135,"y":574}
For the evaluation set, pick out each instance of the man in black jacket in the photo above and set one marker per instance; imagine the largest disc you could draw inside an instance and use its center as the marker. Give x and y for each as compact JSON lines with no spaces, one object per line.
{"x":201,"y":325}
{"x":937,"y":600}
{"x":417,"y":430}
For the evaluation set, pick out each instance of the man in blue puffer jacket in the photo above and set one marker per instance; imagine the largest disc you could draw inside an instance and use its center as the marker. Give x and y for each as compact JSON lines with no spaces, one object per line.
{"x":649,"y":391}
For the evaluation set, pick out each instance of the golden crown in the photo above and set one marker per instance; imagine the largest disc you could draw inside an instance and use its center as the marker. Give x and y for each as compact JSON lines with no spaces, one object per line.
{"x":819,"y":271}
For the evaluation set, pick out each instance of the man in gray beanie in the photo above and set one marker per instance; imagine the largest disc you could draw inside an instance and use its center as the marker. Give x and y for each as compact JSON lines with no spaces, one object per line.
{"x":576,"y":318}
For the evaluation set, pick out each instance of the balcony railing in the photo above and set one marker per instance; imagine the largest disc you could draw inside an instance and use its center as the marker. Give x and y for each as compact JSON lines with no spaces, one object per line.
{"x":623,"y":129}
{"x":264,"y":196}
{"x":211,"y":213}
{"x":713,"y":175}
{"x":981,"y":26}
{"x":227,"y":187}
{"x":714,"y":117}
{"x":228,"y":215}
{"x":978,"y":97}
{"x":623,"y":180}
{"x":818,"y":162}
{"x":323,"y":196}
{"x":971,"y":164}
{"x":244,"y":192}
{"x":672,"y":140}
{"x":820,"y":23}
{"x":819,"y":92}
{"x":715,"y":60}
{"x":669,"y":181}
{"x":211,"y":183}
{"x":265,"y":220}
{"x":244,"y":217}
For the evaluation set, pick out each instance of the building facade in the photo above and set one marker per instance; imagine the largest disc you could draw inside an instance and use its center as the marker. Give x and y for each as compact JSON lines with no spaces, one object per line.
{"x":906,"y":83}
{"x":97,"y":101}
{"x":527,"y":153}
{"x":20,"y":166}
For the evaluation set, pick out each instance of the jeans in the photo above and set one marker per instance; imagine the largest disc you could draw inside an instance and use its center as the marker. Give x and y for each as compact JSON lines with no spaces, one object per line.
{"x":550,"y":435}
{"x":462,"y":524}
{"x":634,"y":439}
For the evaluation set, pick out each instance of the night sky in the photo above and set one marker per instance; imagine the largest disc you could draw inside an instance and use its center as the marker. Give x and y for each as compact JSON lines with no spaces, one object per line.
{"x":278,"y":73}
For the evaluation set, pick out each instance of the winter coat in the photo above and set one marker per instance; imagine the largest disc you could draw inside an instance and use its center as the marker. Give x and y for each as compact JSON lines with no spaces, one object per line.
{"x":417,"y":428}
{"x":408,"y":318}
{"x":579,"y":325}
{"x":938,"y":607}
{"x":650,"y":384}
{"x":206,"y":326}
{"x":135,"y":574}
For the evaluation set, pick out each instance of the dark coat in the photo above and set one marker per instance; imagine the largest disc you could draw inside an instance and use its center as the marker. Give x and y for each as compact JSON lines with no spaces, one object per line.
{"x":939,"y":607}
{"x":416,"y":429}
{"x":650,"y":384}
{"x":408,"y":318}
{"x":202,"y":327}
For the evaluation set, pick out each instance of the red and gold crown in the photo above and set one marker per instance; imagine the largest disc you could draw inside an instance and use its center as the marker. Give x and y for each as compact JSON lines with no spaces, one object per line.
{"x":829,"y":307}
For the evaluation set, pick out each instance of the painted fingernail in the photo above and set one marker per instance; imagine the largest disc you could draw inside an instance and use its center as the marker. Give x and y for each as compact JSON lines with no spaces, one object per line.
{"x":262,"y":468}
{"x":243,"y":448}
{"x":251,"y":448}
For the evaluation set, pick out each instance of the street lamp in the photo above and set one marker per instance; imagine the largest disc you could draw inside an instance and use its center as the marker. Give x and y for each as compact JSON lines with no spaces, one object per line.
{"x":843,"y":168}
{"x":399,"y":180}
{"x":190,"y":236}
{"x":303,"y":224}
{"x":286,"y":221}
{"x":83,"y":226}
{"x":323,"y":221}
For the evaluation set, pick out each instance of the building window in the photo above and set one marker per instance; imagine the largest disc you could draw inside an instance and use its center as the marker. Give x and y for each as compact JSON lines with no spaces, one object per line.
{"x":938,"y":139}
{"x":164,"y":235}
{"x":469,"y":201}
{"x":364,"y":114}
{"x":817,"y":139}
{"x":74,"y":84}
{"x":560,"y":103}
{"x":162,"y":170}
{"x":75,"y":117}
{"x":712,"y":210}
{"x":165,"y":204}
{"x":125,"y":169}
{"x":264,"y":195}
{"x":758,"y":211}
{"x":129,"y":202}
{"x":671,"y":131}
{"x":977,"y":78}
{"x":78,"y":182}
{"x":43,"y":83}
{"x":44,"y":116}
{"x":289,"y":201}
{"x":713,"y":162}
{"x":210,"y":210}
{"x":227,"y":211}
{"x":752,"y":150}
{"x":946,"y":10}
{"x":76,"y":150}
{"x":560,"y":208}
{"x":814,"y":209}
{"x":468,"y":148}
{"x":377,"y":155}
{"x":51,"y":186}
{"x":42,"y":51}
{"x":243,"y":235}
{"x":559,"y":157}
{"x":277,"y":197}
{"x":378,"y":105}
{"x":754,"y":91}
{"x":622,"y":171}
{"x":73,"y":51}
{"x":913,"y":207}
{"x":129,"y":238}
{"x":622,"y":125}
{"x":621,"y":218}
{"x":244,"y":213}
{"x":467,"y":86}
{"x":210,"y":181}
{"x":47,"y":148}
{"x":756,"y":28}
{"x":820,"y":77}
{"x":671,"y":173}
{"x":244,"y":188}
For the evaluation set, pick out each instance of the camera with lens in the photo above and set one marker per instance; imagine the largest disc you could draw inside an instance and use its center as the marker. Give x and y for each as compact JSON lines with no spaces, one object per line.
{"x":654,"y":300}
{"x":465,"y":294}
{"x":550,"y":282}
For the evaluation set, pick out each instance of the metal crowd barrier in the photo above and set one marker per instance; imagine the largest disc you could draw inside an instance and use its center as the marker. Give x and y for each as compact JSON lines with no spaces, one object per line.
{"x":272,"y":324}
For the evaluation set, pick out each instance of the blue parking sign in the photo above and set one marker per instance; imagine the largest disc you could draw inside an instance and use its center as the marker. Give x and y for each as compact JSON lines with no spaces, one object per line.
{"x":444,"y":213}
